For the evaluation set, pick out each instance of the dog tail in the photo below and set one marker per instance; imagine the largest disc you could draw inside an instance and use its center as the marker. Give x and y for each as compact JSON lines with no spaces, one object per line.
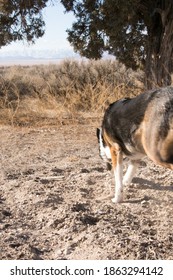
{"x":108,"y":139}
{"x":123,"y":147}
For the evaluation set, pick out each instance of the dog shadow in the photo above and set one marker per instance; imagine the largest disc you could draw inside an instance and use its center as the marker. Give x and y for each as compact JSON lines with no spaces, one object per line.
{"x":146,"y":184}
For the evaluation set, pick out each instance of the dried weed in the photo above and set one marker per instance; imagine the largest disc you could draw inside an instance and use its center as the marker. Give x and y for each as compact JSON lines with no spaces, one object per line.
{"x":51,"y":94}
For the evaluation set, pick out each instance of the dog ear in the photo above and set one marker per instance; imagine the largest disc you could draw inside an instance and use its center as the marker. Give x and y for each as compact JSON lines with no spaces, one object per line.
{"x":98,"y":133}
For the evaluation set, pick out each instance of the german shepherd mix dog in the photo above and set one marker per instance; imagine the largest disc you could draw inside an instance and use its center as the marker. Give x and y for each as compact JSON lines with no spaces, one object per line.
{"x":134,"y":128}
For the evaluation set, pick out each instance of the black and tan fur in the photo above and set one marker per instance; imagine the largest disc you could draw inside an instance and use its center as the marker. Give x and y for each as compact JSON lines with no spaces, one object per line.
{"x":135,"y":128}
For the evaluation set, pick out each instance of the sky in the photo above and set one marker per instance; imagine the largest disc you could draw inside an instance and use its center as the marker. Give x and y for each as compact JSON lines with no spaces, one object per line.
{"x":54,"y":39}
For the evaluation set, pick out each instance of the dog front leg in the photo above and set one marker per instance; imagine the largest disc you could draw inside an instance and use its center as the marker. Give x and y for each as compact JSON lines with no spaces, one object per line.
{"x":117,"y":164}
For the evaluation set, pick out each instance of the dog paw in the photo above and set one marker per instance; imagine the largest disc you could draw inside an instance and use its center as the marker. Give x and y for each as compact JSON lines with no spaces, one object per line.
{"x":117,"y":199}
{"x":126,"y":183}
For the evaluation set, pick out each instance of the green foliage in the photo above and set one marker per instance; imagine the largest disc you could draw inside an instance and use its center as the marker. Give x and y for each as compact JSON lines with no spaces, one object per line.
{"x":132,"y":30}
{"x":110,"y":25}
{"x":21,"y":20}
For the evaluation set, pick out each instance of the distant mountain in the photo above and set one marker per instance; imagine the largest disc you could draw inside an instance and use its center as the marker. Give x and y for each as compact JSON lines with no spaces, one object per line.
{"x":38,"y":54}
{"x":34,"y":56}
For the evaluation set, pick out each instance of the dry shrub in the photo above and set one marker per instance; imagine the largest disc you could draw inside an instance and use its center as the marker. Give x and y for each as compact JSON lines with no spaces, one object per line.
{"x":43,"y":93}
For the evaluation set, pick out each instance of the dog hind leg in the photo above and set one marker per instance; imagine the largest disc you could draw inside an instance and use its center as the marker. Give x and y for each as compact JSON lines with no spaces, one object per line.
{"x":165,"y":150}
{"x":131,"y":170}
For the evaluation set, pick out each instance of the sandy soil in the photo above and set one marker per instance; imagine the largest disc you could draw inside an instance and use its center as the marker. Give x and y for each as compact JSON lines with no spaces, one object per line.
{"x":55,"y":200}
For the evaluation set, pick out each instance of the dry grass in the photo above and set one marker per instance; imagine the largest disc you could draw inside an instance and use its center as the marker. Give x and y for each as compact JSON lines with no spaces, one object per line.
{"x":47,"y":94}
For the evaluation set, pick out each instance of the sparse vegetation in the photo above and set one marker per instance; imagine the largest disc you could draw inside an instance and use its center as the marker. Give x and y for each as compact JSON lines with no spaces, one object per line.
{"x":56,"y":93}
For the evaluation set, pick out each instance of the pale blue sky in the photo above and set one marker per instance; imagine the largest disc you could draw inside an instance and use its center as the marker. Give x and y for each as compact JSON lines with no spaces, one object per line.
{"x":55,"y":35}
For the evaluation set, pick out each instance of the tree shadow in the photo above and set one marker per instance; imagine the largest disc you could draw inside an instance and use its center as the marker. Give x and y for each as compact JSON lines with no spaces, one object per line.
{"x":136,"y":201}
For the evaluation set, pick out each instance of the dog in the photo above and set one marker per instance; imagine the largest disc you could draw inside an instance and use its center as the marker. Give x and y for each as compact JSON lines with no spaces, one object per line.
{"x":134,"y":128}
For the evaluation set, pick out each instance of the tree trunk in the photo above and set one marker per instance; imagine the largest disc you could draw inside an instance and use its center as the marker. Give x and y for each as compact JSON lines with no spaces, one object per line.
{"x":158,"y":66}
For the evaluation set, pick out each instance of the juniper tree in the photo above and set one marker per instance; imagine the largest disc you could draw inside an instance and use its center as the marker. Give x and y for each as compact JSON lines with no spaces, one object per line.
{"x":21,"y":20}
{"x":138,"y":32}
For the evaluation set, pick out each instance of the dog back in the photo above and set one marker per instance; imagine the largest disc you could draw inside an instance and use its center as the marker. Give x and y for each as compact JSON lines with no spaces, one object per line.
{"x":142,"y":124}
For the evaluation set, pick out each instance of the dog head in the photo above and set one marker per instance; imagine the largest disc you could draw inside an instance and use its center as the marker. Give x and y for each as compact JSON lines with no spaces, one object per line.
{"x":104,"y":150}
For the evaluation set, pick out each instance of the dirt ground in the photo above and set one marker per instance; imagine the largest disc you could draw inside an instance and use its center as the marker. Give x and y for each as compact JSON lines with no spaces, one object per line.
{"x":55,"y":200}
